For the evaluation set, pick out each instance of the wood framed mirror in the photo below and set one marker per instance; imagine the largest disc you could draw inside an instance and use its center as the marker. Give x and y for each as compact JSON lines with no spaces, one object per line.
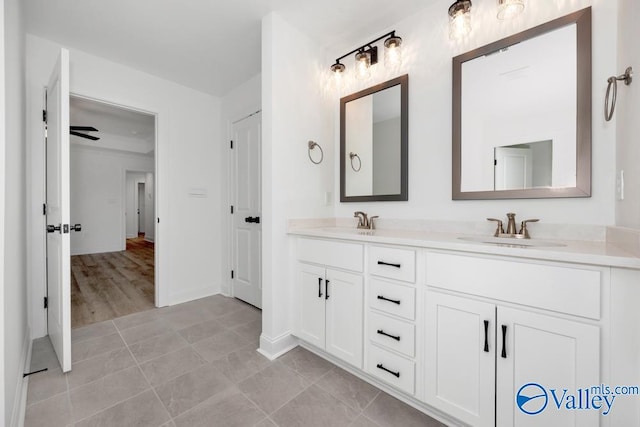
{"x":374,"y":143}
{"x":522,"y":114}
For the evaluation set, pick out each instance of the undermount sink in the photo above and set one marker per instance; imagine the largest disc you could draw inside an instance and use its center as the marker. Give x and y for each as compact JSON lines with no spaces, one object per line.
{"x":509,"y":241}
{"x":348,"y":230}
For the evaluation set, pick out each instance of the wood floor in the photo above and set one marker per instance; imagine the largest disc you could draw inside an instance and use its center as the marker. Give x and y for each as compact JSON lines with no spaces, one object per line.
{"x":109,"y":285}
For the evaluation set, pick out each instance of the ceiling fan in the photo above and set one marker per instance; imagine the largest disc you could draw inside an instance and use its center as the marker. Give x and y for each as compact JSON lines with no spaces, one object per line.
{"x":74,"y":130}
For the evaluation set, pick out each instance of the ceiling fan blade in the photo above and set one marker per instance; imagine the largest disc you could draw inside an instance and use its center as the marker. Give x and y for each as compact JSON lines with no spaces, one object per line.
{"x":82,"y":135}
{"x":84,"y":128}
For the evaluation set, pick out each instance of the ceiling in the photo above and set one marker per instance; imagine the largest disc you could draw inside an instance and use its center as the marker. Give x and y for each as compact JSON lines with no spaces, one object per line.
{"x":119,"y":129}
{"x":209,"y":45}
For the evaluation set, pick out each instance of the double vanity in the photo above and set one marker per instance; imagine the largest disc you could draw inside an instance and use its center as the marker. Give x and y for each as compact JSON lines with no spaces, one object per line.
{"x":458,"y":325}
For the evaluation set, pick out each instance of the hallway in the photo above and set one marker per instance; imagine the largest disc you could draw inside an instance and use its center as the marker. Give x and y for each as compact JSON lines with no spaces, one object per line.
{"x":109,"y":285}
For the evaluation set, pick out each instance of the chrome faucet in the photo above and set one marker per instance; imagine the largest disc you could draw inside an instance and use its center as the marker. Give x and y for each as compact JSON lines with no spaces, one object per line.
{"x":363,"y":221}
{"x":511,"y":227}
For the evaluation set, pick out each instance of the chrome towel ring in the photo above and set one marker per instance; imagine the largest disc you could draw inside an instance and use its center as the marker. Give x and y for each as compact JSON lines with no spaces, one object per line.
{"x":627,"y":77}
{"x":313,"y":145}
{"x":352,"y":156}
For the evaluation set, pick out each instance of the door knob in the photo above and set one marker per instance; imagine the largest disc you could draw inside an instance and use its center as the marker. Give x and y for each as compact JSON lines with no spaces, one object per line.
{"x":53,"y":228}
{"x":252,"y":219}
{"x":76,"y":227}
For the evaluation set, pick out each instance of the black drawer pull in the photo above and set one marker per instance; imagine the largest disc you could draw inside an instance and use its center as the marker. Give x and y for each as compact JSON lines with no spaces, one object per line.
{"x":326,"y":289}
{"x":319,"y":287}
{"x":395,"y":301}
{"x":389,"y":264}
{"x":504,"y":339}
{"x":395,"y":374}
{"x":486,"y":338}
{"x":381,"y":332}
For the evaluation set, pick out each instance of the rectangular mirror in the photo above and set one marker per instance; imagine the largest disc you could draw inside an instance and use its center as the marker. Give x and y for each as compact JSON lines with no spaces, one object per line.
{"x":374,"y":143}
{"x":522,"y":114}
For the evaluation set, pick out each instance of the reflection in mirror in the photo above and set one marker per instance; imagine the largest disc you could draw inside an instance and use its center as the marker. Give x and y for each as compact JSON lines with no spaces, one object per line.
{"x":374,"y":143}
{"x":522,"y":114}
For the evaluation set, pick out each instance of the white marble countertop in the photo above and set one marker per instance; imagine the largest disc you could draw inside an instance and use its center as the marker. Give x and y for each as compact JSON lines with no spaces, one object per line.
{"x":574,"y":251}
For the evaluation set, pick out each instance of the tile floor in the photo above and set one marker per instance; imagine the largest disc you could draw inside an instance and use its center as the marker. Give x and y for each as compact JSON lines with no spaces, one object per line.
{"x":195,"y":364}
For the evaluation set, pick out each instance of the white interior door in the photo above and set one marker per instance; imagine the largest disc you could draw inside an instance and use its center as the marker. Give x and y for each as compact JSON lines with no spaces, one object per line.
{"x":58,"y":241}
{"x":513,"y":168}
{"x":246,"y":227}
{"x":141,"y":212}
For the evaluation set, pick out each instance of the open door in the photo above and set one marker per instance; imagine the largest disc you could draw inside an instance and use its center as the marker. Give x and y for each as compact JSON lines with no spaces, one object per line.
{"x":247,"y":230}
{"x":57,"y":210}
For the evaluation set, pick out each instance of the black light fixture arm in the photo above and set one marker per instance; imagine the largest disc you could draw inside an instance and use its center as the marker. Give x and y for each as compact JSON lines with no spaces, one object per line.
{"x":366,"y":45}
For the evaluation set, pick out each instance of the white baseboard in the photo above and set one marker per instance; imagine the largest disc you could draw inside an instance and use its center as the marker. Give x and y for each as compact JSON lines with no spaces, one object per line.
{"x":272,"y":348}
{"x":202,"y":292}
{"x":149,"y":239}
{"x":20,"y":401}
{"x":131,"y":236}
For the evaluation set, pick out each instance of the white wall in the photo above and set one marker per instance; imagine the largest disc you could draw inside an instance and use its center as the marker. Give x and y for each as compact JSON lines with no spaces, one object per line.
{"x":187,"y":156}
{"x":294,"y":111}
{"x":240,"y":102}
{"x":386,"y":156}
{"x":626,"y":114}
{"x":15,"y":321}
{"x":427,"y":59}
{"x":97,"y":197}
{"x":3,"y":100}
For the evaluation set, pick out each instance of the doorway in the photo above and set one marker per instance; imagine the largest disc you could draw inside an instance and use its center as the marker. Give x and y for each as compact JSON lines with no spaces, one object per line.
{"x":246,"y":229}
{"x":113,"y":198}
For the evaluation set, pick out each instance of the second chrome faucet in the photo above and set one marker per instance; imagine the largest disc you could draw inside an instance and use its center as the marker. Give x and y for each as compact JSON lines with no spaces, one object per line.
{"x":511,"y":227}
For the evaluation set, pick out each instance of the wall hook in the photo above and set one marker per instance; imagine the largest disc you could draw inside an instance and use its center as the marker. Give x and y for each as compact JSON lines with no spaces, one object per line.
{"x":612,"y":81}
{"x":313,"y":145}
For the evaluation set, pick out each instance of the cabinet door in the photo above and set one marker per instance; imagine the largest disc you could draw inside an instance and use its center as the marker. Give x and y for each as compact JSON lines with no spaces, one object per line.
{"x":311,"y":315}
{"x":548,"y":354}
{"x":344,"y":311}
{"x":460,"y":358}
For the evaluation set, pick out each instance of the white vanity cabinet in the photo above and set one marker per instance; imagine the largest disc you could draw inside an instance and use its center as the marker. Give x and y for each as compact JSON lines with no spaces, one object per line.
{"x":391,"y":316}
{"x":480,"y":350}
{"x":330,"y":310}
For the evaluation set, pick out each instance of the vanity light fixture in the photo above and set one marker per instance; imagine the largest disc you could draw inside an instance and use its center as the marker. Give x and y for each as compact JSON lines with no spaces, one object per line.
{"x":508,"y":9}
{"x":459,"y":19}
{"x":367,"y":55}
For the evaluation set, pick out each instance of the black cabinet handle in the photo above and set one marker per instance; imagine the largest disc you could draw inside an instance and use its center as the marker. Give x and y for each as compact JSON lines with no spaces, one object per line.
{"x":326,"y":290}
{"x":395,"y":374}
{"x":486,"y":338}
{"x":395,"y":301}
{"x":252,"y":219}
{"x":381,"y":332}
{"x":504,"y":339}
{"x":389,"y":264}
{"x":319,"y":287}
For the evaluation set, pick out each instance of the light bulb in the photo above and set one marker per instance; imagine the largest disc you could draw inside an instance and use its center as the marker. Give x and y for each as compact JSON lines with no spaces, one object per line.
{"x":393,"y":52}
{"x":363,"y":64}
{"x":508,"y":9}
{"x":459,"y":19}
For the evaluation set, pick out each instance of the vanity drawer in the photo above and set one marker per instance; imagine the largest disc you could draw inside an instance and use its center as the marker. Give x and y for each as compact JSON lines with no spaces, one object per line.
{"x":393,"y":298}
{"x":391,"y":333}
{"x":391,"y":368}
{"x":394,"y":263}
{"x":348,"y":256}
{"x":561,"y":288}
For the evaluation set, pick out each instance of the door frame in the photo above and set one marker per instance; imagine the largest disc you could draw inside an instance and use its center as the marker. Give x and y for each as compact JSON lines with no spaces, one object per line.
{"x":161,"y":297}
{"x":125,"y":172}
{"x":231,"y":174}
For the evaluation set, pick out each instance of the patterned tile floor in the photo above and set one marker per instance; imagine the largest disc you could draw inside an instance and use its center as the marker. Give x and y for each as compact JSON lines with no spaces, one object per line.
{"x":195,"y":364}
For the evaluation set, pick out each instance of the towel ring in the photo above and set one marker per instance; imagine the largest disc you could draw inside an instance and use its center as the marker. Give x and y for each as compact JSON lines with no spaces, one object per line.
{"x":627,"y":77}
{"x":352,"y":155}
{"x":313,"y":145}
